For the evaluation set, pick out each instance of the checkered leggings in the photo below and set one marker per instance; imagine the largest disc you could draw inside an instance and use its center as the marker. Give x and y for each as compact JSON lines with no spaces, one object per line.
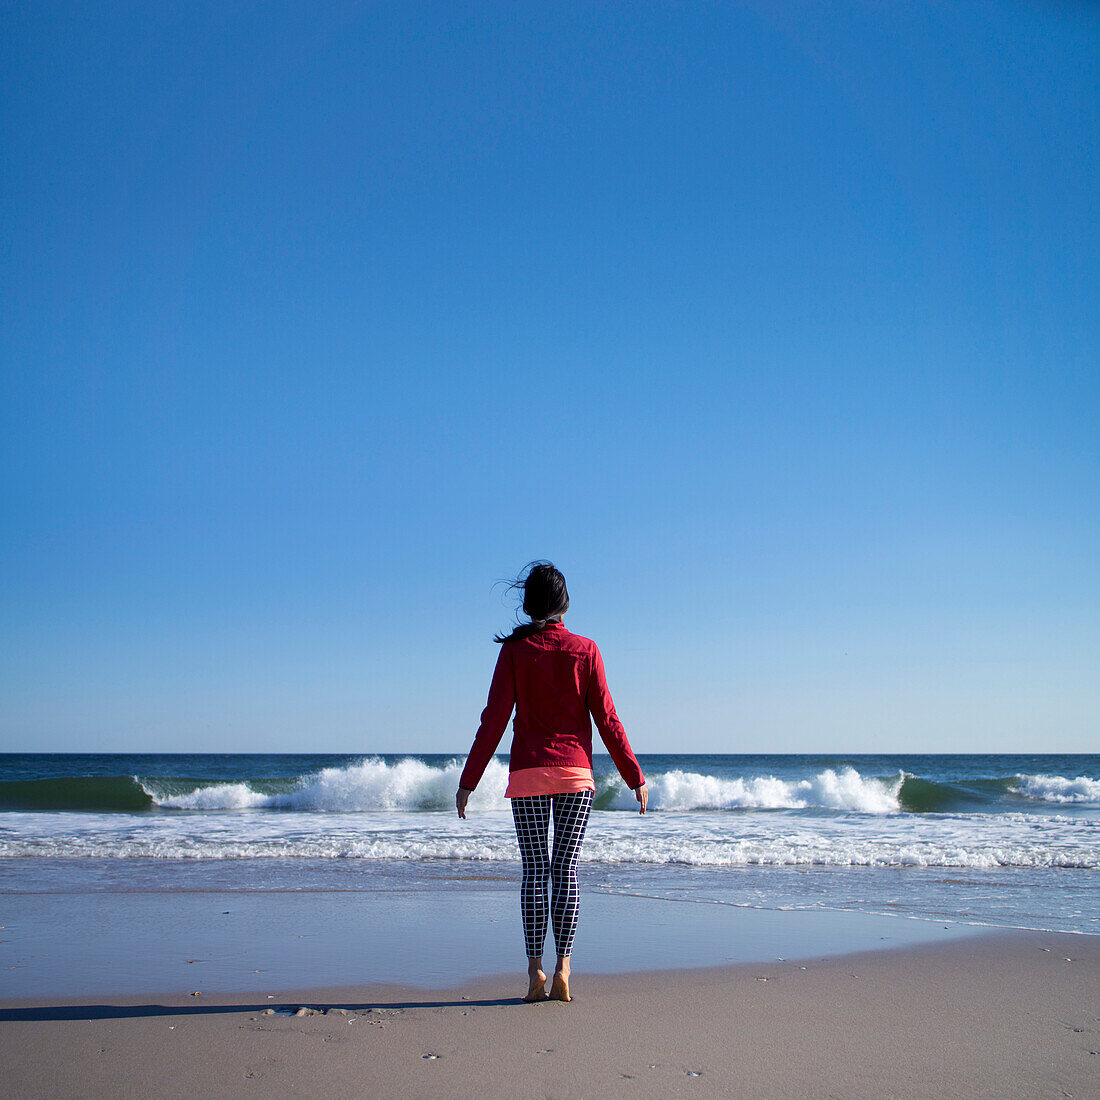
{"x":532,"y":816}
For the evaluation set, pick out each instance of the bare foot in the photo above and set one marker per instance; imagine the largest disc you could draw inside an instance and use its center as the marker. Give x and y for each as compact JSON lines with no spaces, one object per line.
{"x":559,"y":988}
{"x":537,"y":988}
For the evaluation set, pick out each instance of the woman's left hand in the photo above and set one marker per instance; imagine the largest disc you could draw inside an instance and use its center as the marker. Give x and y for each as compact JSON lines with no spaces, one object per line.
{"x":461,"y":799}
{"x":641,"y":793}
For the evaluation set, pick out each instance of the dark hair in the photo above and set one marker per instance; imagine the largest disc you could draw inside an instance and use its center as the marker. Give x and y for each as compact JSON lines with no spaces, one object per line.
{"x":545,"y":598}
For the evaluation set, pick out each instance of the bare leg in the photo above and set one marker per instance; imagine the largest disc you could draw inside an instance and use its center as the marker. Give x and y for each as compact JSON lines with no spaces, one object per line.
{"x":559,"y":989}
{"x":537,"y":981}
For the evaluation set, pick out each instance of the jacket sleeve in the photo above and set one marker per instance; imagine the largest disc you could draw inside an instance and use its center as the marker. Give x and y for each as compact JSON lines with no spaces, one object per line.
{"x":607,"y":722}
{"x":494,"y":720}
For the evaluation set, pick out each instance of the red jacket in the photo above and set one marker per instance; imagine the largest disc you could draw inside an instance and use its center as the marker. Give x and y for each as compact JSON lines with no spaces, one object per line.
{"x":555,"y":681}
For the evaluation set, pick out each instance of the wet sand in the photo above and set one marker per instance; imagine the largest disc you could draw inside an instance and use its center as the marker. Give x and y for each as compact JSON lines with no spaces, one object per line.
{"x":112,"y":943}
{"x":1005,"y":1015}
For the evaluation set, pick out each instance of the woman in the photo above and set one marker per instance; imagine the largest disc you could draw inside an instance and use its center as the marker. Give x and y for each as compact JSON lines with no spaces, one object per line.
{"x":555,"y":680}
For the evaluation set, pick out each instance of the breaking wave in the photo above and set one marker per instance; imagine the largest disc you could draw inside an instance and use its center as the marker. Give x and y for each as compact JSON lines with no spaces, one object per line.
{"x":828,"y":790}
{"x":373,"y":784}
{"x":413,"y":785}
{"x":1056,"y":788}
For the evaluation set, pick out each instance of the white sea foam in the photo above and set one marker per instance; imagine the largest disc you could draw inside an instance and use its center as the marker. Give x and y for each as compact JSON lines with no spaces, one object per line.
{"x":404,"y":810}
{"x":829,"y":790}
{"x":1057,"y":788}
{"x":701,"y":852}
{"x":411,"y":784}
{"x":373,"y":784}
{"x":697,"y":838}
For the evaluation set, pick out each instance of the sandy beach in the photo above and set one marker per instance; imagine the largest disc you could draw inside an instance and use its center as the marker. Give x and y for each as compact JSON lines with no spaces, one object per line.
{"x":1004,"y":1015}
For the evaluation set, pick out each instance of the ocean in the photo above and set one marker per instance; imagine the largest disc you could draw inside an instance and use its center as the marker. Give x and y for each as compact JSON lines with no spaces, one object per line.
{"x":999,"y":840}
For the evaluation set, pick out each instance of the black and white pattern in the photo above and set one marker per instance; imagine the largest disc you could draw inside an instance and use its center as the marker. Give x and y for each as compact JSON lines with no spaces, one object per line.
{"x":532,"y":817}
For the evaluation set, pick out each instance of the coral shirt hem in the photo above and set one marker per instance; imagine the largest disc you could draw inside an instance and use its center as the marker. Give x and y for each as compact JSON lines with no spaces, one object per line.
{"x":553,"y":780}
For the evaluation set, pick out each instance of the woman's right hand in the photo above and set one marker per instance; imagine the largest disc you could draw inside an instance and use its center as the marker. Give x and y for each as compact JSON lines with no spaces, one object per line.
{"x":461,"y":799}
{"x":641,"y":793}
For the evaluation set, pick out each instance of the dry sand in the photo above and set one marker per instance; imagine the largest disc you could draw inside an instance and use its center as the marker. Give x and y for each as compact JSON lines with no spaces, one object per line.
{"x":1009,"y":1015}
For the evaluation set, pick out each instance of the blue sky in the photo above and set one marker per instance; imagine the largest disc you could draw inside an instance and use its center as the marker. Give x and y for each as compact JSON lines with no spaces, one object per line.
{"x":775,"y":326}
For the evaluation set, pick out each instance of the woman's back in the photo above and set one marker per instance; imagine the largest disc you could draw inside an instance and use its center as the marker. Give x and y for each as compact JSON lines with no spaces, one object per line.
{"x":551,"y":671}
{"x":555,"y":680}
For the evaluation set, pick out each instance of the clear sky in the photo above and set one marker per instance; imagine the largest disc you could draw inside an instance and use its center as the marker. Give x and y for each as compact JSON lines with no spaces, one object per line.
{"x":775,"y":326}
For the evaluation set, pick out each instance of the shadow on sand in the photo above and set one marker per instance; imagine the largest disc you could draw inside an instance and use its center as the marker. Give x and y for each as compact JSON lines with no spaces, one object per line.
{"x":130,"y":1012}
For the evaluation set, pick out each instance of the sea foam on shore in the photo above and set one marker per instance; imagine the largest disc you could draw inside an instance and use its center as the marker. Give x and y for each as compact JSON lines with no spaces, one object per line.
{"x":1017,"y":839}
